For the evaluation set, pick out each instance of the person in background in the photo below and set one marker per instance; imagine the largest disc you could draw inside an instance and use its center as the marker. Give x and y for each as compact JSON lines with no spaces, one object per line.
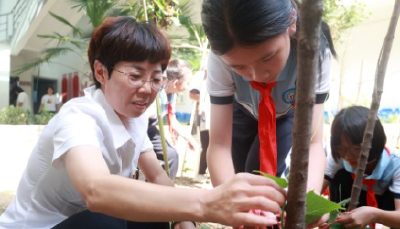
{"x":79,"y":174}
{"x":23,"y":99}
{"x":379,"y":200}
{"x":49,"y":102}
{"x":199,"y":94}
{"x":179,"y":76}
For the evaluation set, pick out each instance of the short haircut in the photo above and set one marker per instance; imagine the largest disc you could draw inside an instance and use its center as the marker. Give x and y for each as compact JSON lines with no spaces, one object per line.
{"x":351,"y":123}
{"x":175,"y":69}
{"x":18,"y":89}
{"x":124,"y":39}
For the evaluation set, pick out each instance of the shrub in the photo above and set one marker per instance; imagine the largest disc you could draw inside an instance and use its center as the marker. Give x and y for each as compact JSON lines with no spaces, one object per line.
{"x":14,"y":115}
{"x":18,"y":116}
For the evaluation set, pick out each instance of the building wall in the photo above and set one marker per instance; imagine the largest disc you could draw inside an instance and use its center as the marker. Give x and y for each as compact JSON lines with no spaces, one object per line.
{"x":358,"y":55}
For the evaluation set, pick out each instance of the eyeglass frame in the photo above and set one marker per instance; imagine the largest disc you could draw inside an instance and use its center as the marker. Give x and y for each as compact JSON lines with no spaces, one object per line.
{"x":144,"y":80}
{"x":341,"y":151}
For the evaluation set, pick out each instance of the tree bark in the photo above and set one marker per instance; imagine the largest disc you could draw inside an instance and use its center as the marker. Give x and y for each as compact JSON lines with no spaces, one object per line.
{"x":376,"y":99}
{"x":308,"y":52}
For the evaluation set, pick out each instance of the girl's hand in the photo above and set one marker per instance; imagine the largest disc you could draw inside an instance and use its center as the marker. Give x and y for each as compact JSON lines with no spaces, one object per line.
{"x":320,"y":223}
{"x":358,"y":218}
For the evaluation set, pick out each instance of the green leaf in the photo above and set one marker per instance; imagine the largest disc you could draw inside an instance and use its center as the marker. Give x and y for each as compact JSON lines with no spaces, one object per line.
{"x":203,"y":226}
{"x":75,"y":30}
{"x":317,"y":206}
{"x":280,"y":181}
{"x":344,"y":202}
{"x":333,"y":215}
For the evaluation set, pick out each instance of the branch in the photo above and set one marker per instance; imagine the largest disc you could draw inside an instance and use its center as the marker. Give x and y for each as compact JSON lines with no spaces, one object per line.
{"x":376,"y":99}
{"x":308,"y":51}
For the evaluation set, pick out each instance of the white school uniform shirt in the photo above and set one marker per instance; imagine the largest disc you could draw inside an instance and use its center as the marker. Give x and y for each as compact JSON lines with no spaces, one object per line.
{"x":24,"y":99}
{"x":50,"y":102}
{"x":386,"y":172}
{"x":46,"y":196}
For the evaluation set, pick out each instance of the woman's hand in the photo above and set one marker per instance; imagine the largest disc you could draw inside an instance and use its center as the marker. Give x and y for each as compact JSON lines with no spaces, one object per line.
{"x":231,"y":202}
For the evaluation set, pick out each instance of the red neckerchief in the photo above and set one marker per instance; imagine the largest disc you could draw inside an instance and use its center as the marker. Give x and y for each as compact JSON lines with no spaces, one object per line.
{"x":266,"y":127}
{"x":371,"y":199}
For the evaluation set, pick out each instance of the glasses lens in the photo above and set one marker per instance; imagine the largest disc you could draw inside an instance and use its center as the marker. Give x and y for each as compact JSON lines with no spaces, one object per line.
{"x":136,"y":78}
{"x":158,"y":82}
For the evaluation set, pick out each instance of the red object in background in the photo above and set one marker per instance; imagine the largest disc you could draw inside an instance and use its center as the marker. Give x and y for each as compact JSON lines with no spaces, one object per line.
{"x":64,"y":88}
{"x":75,"y":85}
{"x":69,"y":88}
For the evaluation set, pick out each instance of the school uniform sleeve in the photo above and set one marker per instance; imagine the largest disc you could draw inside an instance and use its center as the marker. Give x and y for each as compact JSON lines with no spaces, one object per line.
{"x":220,"y":84}
{"x":395,"y":187}
{"x":331,"y":167}
{"x":323,"y":80}
{"x":21,"y":98}
{"x":73,"y":129}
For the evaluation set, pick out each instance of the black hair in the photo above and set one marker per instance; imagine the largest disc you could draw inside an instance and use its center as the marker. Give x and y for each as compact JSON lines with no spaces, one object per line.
{"x":124,"y":39}
{"x":18,"y":89}
{"x":247,"y":23}
{"x":351,"y":123}
{"x":175,"y":68}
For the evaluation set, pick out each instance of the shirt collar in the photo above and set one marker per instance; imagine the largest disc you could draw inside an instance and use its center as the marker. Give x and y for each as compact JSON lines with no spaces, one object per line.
{"x":383,"y":162}
{"x":117,"y":127}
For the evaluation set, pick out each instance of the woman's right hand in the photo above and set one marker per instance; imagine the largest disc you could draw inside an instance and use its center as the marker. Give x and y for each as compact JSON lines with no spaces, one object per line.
{"x":231,"y":203}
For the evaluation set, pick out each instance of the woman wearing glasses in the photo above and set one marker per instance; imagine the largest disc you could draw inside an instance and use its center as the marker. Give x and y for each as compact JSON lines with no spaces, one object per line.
{"x":79,"y":174}
{"x":380,"y":198}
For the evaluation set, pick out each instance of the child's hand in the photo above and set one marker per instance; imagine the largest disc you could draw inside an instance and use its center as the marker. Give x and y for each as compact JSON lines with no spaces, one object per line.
{"x":320,"y":223}
{"x":358,"y":218}
{"x":185,"y":225}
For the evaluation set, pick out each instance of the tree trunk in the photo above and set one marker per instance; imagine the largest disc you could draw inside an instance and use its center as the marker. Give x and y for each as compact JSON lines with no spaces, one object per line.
{"x":376,"y":99}
{"x":308,"y":52}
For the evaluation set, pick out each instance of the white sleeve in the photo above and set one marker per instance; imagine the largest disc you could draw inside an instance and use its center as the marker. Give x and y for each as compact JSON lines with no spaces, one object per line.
{"x":219,"y":77}
{"x":332,"y":167}
{"x":323,"y":81}
{"x":21,"y":98}
{"x":44,"y":97}
{"x":147,"y":145}
{"x":395,"y":187}
{"x":74,"y":129}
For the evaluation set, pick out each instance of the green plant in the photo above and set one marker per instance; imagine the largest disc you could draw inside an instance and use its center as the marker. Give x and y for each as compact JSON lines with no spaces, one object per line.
{"x":14,"y":116}
{"x":317,"y":205}
{"x":43,"y":118}
{"x":161,"y":12}
{"x":343,"y":14}
{"x":18,"y":116}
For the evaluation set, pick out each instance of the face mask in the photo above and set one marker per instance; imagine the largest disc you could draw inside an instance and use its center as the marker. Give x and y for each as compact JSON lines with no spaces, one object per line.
{"x":348,"y":167}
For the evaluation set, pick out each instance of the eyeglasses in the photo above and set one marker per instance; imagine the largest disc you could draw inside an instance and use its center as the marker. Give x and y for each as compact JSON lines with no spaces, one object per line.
{"x":138,"y":78}
{"x":348,"y":153}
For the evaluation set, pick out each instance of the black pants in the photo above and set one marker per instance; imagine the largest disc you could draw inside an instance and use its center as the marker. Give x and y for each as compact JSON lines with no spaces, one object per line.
{"x":246,"y":145}
{"x":340,"y":189}
{"x":205,"y":140}
{"x":91,"y":220}
{"x":173,"y":157}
